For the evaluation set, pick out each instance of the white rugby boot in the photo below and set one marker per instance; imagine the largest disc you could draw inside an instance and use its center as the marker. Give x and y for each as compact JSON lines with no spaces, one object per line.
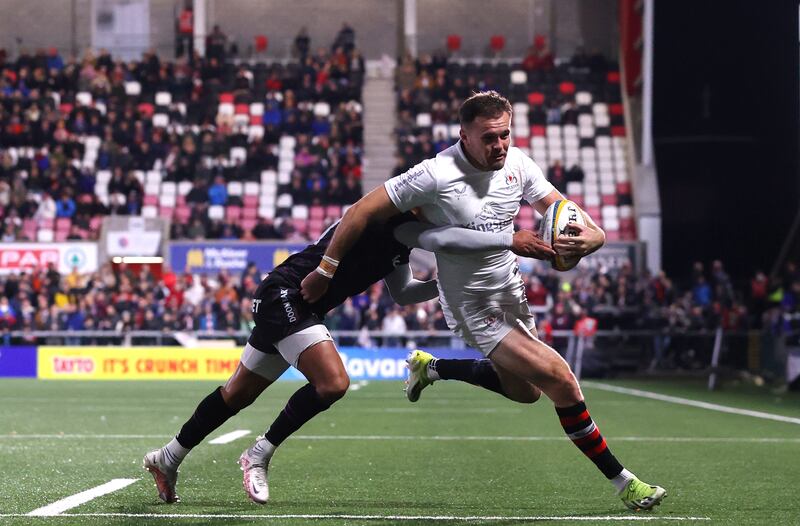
{"x":254,"y":476}
{"x":165,"y":476}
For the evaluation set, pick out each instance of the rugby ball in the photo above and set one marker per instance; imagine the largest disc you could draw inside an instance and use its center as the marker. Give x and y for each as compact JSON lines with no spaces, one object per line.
{"x":555,"y":223}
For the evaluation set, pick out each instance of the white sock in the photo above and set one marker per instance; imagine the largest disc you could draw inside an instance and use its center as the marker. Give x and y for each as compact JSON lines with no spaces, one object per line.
{"x":621,"y":480}
{"x":174,"y":453}
{"x":432,"y":373}
{"x":263,"y":448}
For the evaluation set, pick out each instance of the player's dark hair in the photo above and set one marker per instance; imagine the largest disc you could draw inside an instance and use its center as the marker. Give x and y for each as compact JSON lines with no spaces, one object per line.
{"x":488,"y":104}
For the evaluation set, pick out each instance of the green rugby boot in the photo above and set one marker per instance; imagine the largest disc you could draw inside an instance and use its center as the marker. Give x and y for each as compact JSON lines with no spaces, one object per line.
{"x":417,"y":363}
{"x":639,"y":495}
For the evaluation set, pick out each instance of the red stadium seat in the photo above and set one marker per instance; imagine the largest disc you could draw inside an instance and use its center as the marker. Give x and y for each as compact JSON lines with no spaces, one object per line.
{"x":535,"y":98}
{"x":233,"y":213}
{"x":95,"y":223}
{"x":538,"y":131}
{"x":226,"y":98}
{"x":624,"y":188}
{"x":333,"y":211}
{"x":61,"y":235}
{"x":618,"y":131}
{"x":497,"y":43}
{"x":250,"y":212}
{"x":248,"y":224}
{"x":567,"y":87}
{"x":146,"y":110}
{"x":63,"y":223}
{"x":242,"y":109}
{"x":453,"y":43}
{"x":316,"y":212}
{"x":613,"y":77}
{"x":262,"y":42}
{"x":250,"y":201}
{"x":166,"y":211}
{"x":182,"y":214}
{"x":615,"y":109}
{"x":65,"y":108}
{"x":150,"y":200}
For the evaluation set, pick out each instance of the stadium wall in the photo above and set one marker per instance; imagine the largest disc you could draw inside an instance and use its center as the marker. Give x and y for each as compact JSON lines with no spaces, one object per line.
{"x":567,"y":23}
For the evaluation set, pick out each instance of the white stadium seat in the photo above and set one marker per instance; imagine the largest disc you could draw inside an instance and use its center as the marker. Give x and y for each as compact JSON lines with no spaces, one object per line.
{"x":163,"y":98}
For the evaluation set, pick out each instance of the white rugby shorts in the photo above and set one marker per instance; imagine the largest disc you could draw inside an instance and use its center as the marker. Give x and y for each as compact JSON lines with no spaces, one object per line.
{"x":272,"y":365}
{"x":482,"y":321}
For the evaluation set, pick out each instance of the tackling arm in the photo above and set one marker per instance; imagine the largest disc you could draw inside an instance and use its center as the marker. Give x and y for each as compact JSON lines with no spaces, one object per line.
{"x":374,"y":206}
{"x":406,"y":290}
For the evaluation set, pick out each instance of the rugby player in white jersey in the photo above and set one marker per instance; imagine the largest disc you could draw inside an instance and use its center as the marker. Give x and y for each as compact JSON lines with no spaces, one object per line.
{"x":478,"y":184}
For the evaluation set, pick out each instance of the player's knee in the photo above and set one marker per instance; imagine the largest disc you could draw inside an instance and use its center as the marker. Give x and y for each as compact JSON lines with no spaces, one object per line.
{"x":333,"y":389}
{"x":238,"y":396}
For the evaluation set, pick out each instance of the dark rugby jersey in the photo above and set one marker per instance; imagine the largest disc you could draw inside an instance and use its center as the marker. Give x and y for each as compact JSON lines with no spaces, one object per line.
{"x":373,"y":257}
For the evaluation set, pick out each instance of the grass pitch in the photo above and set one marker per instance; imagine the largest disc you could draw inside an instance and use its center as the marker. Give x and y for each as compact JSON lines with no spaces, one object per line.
{"x":460,"y":452}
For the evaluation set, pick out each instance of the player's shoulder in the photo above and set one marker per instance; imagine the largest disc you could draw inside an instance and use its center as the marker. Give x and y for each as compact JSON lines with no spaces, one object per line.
{"x":519,"y":160}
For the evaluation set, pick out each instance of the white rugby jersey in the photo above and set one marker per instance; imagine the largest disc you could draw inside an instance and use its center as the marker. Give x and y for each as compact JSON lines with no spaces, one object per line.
{"x":450,"y":191}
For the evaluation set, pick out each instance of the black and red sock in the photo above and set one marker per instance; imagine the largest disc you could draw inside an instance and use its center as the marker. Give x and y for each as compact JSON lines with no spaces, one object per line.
{"x":585,"y":434}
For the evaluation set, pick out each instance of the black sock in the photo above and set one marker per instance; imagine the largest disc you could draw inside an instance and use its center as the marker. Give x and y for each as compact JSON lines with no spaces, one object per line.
{"x":211,"y":413}
{"x":475,"y":372}
{"x":585,"y":434}
{"x":304,"y":405}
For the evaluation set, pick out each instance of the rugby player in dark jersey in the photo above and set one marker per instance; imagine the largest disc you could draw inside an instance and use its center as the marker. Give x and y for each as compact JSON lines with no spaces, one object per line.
{"x":289,"y":331}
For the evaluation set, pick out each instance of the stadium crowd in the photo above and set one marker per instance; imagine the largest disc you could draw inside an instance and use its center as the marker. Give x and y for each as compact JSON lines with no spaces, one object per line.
{"x":120,"y":300}
{"x":53,"y":111}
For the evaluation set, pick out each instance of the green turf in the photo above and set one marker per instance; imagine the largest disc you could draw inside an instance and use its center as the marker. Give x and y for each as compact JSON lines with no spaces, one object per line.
{"x":730,"y":481}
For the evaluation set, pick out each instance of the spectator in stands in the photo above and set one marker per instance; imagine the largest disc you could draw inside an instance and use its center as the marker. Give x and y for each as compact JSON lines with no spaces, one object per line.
{"x":65,"y":207}
{"x":557,"y":176}
{"x":218,"y":192}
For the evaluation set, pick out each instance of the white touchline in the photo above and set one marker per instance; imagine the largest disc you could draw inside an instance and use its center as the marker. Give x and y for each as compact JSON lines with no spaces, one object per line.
{"x":476,"y":518}
{"x":464,"y":438}
{"x":230,"y":437}
{"x":70,"y":502}
{"x":693,"y":403}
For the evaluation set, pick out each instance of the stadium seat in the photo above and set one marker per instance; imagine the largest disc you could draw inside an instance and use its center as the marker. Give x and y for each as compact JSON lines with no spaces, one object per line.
{"x":149,"y":210}
{"x":299,"y":212}
{"x":267,"y":212}
{"x":333,"y":212}
{"x":216,"y":212}
{"x":160,"y":120}
{"x":167,"y":200}
{"x":322,"y":109}
{"x":184,"y":187}
{"x":535,"y":98}
{"x":583,"y":98}
{"x":45,"y":235}
{"x":519,"y":77}
{"x":453,"y":43}
{"x":261,"y":43}
{"x":133,"y":89}
{"x":497,"y":43}
{"x":233,"y":213}
{"x":284,"y":201}
{"x":163,"y":98}
{"x":235,"y":188}
{"x":169,"y":188}
{"x":424,"y":120}
{"x":257,"y":108}
{"x":150,"y":199}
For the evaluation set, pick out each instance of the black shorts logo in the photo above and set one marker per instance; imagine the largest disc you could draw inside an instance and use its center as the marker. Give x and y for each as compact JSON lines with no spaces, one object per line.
{"x":288,"y":306}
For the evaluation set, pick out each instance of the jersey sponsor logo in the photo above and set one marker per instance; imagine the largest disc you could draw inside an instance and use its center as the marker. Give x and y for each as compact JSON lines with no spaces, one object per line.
{"x":491,"y":210}
{"x":256,"y":305}
{"x":288,"y":306}
{"x":406,"y":179}
{"x":491,"y":218}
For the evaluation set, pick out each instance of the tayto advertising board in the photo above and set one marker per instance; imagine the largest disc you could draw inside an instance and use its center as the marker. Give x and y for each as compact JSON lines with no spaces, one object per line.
{"x":17,"y":257}
{"x":177,"y":363}
{"x":137,"y":363}
{"x":210,"y":258}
